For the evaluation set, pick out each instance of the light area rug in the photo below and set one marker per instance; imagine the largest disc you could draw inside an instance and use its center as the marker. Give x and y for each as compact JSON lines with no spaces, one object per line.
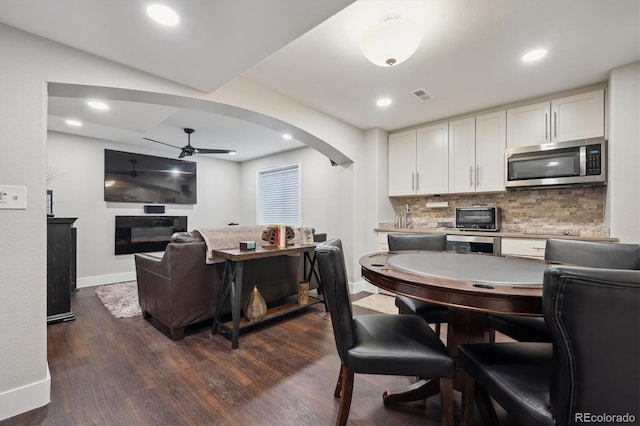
{"x":120,"y":299}
{"x":378,"y":302}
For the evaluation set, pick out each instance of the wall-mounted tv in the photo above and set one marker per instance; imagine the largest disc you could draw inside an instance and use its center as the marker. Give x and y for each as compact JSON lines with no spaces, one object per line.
{"x":138,"y":178}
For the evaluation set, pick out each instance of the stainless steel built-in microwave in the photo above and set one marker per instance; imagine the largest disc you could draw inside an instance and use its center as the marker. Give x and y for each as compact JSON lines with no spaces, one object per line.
{"x":581,"y":162}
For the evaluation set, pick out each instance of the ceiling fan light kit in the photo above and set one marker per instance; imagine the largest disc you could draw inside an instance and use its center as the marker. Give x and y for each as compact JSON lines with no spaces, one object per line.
{"x":189,"y":150}
{"x":391,"y":41}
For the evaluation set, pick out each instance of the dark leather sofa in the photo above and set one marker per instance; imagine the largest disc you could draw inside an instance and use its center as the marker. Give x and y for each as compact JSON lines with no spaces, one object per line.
{"x":179,"y":288}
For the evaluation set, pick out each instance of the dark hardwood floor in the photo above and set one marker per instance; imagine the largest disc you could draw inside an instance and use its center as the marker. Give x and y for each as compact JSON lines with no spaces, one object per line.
{"x":109,"y":371}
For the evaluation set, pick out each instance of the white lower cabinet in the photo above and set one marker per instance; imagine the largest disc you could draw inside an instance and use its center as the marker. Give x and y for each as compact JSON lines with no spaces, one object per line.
{"x":383,"y":243}
{"x":523,"y":247}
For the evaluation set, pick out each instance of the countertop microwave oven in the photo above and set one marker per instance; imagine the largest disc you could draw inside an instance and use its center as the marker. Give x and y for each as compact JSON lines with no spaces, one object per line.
{"x":581,"y":162}
{"x":478,"y":218}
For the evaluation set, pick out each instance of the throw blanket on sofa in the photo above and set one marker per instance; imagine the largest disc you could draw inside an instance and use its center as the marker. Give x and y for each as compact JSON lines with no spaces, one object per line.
{"x":229,"y":237}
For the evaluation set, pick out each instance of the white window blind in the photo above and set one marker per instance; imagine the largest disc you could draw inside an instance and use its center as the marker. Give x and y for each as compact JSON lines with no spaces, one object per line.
{"x":279,"y":195}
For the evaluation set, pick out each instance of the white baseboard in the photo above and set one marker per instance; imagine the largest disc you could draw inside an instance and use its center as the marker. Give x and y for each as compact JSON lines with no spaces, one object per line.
{"x":362,"y":285}
{"x":25,"y":398}
{"x":105,"y":279}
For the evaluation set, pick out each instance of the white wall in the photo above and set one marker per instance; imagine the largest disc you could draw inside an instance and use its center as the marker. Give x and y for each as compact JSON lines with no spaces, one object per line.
{"x":78,"y":192}
{"x":622,"y":211}
{"x":321,"y":206}
{"x":27,"y":64}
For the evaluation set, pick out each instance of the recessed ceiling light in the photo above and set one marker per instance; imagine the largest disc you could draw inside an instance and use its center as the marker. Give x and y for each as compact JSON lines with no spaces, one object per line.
{"x":162,"y":14}
{"x":232,"y":153}
{"x":534,"y":55}
{"x":287,"y":136}
{"x":74,"y":123}
{"x":383,"y":102}
{"x":98,"y":105}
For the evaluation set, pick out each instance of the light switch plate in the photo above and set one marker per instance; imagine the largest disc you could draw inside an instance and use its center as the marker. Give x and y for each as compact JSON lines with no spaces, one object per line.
{"x":13,"y":197}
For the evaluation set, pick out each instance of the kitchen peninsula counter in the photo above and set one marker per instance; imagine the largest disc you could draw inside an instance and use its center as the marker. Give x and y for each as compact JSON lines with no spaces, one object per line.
{"x":452,"y":231}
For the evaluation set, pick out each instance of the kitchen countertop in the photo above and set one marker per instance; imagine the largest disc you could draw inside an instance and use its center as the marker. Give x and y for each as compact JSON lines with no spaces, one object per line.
{"x":452,"y":231}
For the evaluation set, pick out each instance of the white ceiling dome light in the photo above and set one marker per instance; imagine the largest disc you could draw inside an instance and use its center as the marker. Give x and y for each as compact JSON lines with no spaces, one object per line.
{"x":391,"y":42}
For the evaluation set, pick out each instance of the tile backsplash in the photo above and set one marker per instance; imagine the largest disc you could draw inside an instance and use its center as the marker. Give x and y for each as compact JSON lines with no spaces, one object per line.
{"x":578,"y":211}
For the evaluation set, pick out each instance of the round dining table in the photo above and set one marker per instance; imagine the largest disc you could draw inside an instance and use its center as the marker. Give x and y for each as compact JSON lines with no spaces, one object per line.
{"x":471,"y":285}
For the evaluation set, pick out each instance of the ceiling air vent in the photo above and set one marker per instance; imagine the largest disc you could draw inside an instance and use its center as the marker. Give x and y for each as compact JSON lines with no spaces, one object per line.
{"x":421,"y":94}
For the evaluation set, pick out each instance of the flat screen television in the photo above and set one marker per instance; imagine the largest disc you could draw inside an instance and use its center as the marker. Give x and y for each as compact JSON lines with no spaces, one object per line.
{"x":139,"y":178}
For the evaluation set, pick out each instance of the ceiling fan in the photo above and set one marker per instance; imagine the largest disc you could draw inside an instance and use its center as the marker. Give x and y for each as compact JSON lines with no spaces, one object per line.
{"x":188,"y":150}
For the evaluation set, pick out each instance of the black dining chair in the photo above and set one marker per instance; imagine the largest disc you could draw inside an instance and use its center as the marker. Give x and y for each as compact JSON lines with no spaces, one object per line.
{"x":431,"y":312}
{"x":401,"y":345}
{"x":590,"y":368}
{"x":572,"y":252}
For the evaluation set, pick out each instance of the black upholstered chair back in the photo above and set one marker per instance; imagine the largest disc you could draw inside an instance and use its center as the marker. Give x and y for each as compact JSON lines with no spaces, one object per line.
{"x":595,"y":368}
{"x":333,"y":275}
{"x":417,"y":242}
{"x":592,"y":254}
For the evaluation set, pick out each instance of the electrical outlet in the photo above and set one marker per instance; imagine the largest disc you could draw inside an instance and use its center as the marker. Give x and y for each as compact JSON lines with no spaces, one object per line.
{"x":13,"y":197}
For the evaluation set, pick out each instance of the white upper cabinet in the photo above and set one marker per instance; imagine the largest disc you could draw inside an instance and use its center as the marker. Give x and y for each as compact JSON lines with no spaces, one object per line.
{"x":462,"y":155}
{"x":578,"y":117}
{"x":573,"y":117}
{"x":402,"y":163}
{"x":433,"y":159}
{"x":476,"y":153}
{"x":418,"y":161}
{"x":491,"y":140}
{"x":528,"y":125}
{"x":467,"y":155}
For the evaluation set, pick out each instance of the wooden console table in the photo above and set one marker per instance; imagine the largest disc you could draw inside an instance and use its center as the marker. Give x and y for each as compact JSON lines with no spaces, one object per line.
{"x":232,"y":286}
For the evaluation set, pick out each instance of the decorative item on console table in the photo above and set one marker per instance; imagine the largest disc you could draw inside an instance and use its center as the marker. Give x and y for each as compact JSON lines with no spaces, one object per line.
{"x":255,"y":308}
{"x":278,"y":235}
{"x":247,"y":245}
{"x":303,"y":292}
{"x":307,"y":235}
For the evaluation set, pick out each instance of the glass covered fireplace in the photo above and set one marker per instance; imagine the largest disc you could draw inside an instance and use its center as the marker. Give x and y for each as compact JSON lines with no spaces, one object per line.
{"x":136,"y":234}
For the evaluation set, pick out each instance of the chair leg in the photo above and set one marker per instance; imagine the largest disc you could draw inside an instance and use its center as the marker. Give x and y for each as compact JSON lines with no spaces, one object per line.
{"x":336,"y":392}
{"x":446,"y":395}
{"x":485,"y":407}
{"x":438,"y":329}
{"x":345,"y":401}
{"x":468,"y":398}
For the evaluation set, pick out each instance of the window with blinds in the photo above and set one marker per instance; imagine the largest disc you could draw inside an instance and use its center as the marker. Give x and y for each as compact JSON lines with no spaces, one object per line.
{"x":278,"y":195}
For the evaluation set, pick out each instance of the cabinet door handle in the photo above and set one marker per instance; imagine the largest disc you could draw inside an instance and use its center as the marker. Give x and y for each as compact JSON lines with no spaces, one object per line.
{"x":471,"y":176}
{"x":417,"y":181}
{"x":413,"y":181}
{"x":546,"y":126}
{"x":555,"y":124}
{"x":477,"y":175}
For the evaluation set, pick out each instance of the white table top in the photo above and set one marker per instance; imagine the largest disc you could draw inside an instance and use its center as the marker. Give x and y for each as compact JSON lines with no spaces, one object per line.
{"x":482,"y":269}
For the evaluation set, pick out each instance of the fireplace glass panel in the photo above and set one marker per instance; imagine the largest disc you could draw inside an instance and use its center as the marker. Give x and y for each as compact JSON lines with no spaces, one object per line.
{"x":137,"y":234}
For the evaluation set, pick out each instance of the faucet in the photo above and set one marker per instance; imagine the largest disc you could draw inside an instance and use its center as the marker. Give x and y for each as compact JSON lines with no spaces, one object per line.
{"x":406,"y":212}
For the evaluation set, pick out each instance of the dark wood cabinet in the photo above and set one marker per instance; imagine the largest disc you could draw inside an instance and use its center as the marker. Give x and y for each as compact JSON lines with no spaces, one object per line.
{"x":61,"y":268}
